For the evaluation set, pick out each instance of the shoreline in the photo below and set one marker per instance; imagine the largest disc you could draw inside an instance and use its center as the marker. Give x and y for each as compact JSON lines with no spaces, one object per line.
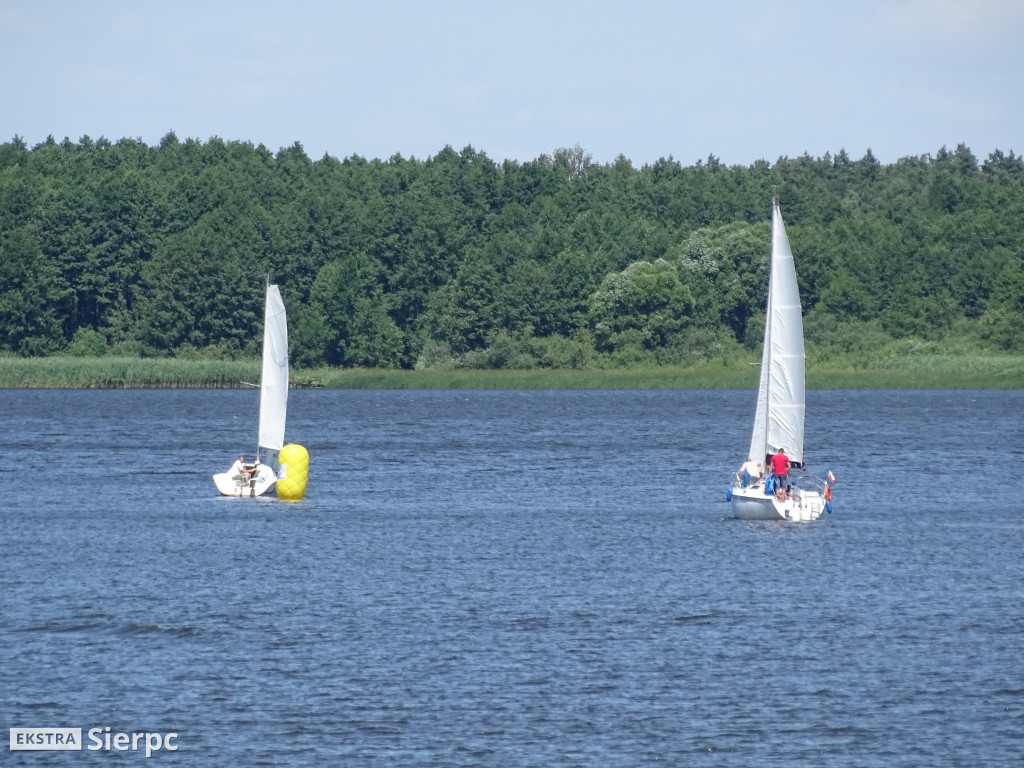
{"x":923,"y":372}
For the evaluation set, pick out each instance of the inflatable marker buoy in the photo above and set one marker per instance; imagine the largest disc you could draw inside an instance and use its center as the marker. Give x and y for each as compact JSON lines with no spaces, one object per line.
{"x":291,"y":483}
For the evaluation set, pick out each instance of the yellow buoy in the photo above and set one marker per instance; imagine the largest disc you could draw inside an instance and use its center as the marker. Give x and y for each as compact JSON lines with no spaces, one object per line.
{"x":291,"y":483}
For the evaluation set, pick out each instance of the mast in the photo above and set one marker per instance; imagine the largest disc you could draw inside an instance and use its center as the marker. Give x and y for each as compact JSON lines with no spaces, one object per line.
{"x":768,"y":337}
{"x":259,"y":415}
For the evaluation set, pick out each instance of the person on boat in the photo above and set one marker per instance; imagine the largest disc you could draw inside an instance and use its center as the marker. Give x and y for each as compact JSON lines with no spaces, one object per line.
{"x":780,"y":468}
{"x":239,"y":468}
{"x":750,"y":469}
{"x":264,"y":473}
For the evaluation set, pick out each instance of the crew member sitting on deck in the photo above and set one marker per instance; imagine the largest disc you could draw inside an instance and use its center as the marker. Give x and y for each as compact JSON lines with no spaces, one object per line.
{"x":264,"y":473}
{"x":750,"y":469}
{"x":239,"y":468}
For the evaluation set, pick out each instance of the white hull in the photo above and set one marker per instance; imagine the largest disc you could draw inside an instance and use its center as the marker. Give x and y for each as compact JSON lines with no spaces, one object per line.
{"x":753,"y":503}
{"x":235,"y":485}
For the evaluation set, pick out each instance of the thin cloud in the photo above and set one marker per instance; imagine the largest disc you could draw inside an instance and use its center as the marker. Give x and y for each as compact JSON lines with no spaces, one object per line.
{"x":945,"y":21}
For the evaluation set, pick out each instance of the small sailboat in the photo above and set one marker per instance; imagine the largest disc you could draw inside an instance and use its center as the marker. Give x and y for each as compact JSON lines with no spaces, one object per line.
{"x":779,"y":419}
{"x":273,"y":406}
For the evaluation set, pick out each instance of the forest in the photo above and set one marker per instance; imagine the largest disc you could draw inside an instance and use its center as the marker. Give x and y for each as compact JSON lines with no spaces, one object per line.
{"x":456,"y":260}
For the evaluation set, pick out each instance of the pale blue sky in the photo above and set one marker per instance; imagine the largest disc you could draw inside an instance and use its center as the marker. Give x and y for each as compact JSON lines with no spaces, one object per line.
{"x":647,"y":79}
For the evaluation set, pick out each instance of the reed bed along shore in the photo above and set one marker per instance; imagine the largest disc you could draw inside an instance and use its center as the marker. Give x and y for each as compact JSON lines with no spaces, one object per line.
{"x":125,"y":373}
{"x":906,"y":372}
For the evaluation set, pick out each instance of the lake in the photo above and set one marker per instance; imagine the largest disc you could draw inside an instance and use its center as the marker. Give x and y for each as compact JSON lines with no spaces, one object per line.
{"x":515,"y":578}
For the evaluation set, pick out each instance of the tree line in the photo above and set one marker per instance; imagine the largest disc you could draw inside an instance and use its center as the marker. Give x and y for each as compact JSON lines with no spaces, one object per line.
{"x":459,"y":260}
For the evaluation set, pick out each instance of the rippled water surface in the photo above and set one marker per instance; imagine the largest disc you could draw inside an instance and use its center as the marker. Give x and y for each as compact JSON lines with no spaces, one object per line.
{"x":515,"y":579}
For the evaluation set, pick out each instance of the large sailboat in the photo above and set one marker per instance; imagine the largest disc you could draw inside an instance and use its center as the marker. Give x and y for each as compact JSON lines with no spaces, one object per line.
{"x":779,"y":419}
{"x":273,"y":406}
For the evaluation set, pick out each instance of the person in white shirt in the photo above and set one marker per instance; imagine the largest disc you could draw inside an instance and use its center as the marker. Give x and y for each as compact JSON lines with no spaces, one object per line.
{"x":750,"y":469}
{"x":264,"y":473}
{"x":239,"y":468}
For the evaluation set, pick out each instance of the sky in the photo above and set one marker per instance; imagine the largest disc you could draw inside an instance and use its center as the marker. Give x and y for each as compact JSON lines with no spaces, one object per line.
{"x":646,"y":79}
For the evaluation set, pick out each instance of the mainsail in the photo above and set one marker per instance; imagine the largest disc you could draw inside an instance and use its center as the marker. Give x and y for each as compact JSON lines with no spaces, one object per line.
{"x":779,"y":422}
{"x":274,"y":384}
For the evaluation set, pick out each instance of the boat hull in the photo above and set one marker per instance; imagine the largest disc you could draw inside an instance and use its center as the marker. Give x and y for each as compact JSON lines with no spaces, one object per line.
{"x":232,"y":485}
{"x":754,"y":504}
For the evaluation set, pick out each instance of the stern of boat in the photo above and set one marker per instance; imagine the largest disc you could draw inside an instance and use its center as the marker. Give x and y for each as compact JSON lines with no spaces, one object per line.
{"x":806,"y":508}
{"x":752,"y":503}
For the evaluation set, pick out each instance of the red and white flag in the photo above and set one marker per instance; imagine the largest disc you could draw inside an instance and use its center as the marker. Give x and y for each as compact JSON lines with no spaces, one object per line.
{"x":831,"y":477}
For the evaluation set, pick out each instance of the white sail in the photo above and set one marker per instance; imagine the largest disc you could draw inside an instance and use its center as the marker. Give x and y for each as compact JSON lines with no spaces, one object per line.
{"x":274,"y":384}
{"x":779,"y":421}
{"x":273,"y":408}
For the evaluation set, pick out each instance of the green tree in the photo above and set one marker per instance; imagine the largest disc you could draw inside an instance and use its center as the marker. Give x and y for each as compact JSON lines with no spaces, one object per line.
{"x":205,"y":288}
{"x":464,"y":261}
{"x":1001,"y":324}
{"x":643,"y":306}
{"x":462,"y":313}
{"x":33,"y":298}
{"x":351,"y":314}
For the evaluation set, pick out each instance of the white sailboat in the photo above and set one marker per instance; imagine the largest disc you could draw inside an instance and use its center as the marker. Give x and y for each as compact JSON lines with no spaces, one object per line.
{"x":273,"y":405}
{"x":779,"y":420}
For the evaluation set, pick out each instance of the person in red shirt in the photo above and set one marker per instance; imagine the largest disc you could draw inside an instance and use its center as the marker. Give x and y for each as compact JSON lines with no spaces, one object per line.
{"x":780,"y":468}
